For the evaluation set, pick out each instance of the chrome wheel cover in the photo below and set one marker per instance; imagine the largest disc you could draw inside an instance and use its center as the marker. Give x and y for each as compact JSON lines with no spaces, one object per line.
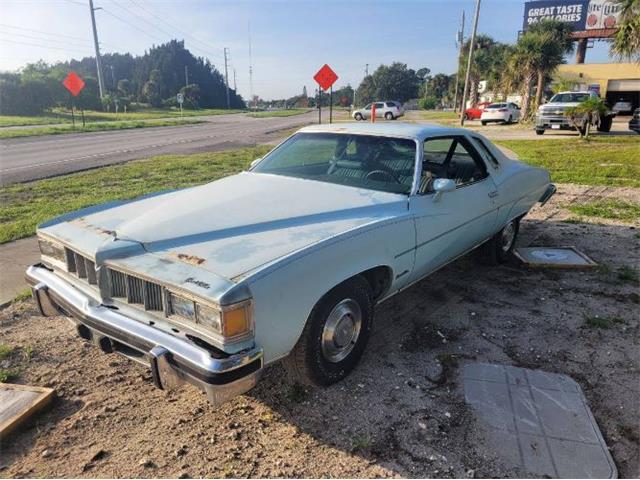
{"x":341,"y":330}
{"x":507,"y":236}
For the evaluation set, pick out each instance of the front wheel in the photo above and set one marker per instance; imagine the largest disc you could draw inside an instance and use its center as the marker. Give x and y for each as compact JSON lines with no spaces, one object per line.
{"x":483,"y":123}
{"x":539,"y":131}
{"x":499,"y":248}
{"x":334,"y":336}
{"x":510,"y":121}
{"x":605,"y":124}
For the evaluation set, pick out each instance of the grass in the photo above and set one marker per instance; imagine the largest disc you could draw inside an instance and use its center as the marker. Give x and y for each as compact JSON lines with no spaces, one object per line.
{"x":595,"y":321}
{"x":432,"y":115}
{"x":279,"y":113}
{"x":7,"y":374}
{"x":610,"y":161}
{"x":64,"y":116}
{"x":23,"y":206}
{"x":609,"y":208}
{"x":22,"y":296}
{"x":627,"y":274}
{"x":5,"y":350}
{"x":360,"y":442}
{"x":92,"y":127}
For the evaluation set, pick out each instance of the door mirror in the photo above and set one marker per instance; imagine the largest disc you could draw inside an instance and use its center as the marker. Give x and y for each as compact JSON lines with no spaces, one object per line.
{"x":255,"y":162}
{"x":442,"y":185}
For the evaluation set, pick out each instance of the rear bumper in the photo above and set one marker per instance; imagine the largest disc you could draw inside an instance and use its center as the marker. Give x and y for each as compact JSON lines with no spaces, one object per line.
{"x":548,"y":193}
{"x":173,"y":360}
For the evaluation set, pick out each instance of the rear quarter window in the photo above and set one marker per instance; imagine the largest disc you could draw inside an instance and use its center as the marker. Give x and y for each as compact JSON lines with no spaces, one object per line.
{"x":484,"y":151}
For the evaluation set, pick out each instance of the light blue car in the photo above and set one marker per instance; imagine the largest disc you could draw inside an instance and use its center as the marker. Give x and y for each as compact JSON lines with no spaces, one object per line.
{"x":285,"y":261}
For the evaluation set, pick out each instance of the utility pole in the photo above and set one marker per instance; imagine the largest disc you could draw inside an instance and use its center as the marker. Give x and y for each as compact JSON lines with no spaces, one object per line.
{"x":465,"y":92}
{"x":250,"y":67}
{"x":461,"y":45}
{"x":235,"y":85}
{"x":226,"y":77}
{"x":366,"y":70}
{"x":186,"y":75}
{"x":95,"y":42}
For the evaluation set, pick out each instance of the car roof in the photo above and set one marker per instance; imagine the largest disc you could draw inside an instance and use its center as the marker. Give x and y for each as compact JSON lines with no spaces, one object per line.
{"x":396,"y":129}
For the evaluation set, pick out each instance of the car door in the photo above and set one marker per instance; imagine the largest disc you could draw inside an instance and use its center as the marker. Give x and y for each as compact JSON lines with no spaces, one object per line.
{"x":515,"y":111}
{"x":451,"y":223}
{"x":366,"y":112}
{"x":380,"y":109}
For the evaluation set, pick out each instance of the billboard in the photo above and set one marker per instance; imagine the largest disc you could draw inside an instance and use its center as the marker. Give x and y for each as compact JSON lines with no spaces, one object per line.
{"x":598,"y":16}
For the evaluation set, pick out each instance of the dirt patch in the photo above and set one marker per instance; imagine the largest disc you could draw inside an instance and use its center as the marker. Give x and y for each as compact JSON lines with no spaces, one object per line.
{"x":400,"y":414}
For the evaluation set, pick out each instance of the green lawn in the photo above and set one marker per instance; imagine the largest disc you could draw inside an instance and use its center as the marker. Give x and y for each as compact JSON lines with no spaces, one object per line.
{"x":610,"y":161}
{"x":23,"y":206}
{"x":92,"y":127}
{"x":431,"y":115}
{"x":64,"y":116}
{"x":612,"y":209}
{"x":279,"y":113}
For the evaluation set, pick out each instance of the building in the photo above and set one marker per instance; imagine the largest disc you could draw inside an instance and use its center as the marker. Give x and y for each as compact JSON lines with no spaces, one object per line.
{"x":613,"y":81}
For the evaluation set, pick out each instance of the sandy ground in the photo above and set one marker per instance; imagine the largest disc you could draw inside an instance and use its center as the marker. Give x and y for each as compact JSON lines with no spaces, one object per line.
{"x":400,"y":414}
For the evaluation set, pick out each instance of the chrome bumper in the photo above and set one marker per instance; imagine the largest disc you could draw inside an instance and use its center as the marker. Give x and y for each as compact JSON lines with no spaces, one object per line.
{"x":172,"y":360}
{"x":548,"y":193}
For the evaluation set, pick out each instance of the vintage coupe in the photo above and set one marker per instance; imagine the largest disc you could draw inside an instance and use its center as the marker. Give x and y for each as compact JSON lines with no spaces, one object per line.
{"x":285,"y":261}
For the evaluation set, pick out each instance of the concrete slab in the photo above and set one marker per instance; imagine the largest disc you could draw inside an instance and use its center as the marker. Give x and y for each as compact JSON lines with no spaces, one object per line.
{"x":15,"y":257}
{"x":558,"y":257}
{"x":539,"y":422}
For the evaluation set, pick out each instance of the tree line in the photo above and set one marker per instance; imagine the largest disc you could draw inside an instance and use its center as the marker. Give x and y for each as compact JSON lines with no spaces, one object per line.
{"x":153,"y":78}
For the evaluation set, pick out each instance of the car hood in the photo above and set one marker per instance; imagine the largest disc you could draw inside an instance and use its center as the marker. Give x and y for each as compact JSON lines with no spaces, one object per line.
{"x":236,"y":224}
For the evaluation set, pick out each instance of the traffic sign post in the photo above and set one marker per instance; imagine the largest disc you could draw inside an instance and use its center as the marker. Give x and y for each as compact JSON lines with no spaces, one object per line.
{"x":180,"y":99}
{"x":74,"y":84}
{"x":325,"y":77}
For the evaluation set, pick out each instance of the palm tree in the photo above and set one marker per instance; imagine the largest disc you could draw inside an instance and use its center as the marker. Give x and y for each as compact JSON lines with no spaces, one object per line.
{"x":487,"y":57}
{"x":586,"y":113}
{"x":626,"y":42}
{"x":556,"y":42}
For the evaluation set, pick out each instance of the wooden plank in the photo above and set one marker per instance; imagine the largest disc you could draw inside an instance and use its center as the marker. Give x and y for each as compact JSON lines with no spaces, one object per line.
{"x":18,"y":403}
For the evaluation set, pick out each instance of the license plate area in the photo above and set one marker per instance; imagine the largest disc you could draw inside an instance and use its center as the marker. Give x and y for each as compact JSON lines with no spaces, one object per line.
{"x":555,"y":127}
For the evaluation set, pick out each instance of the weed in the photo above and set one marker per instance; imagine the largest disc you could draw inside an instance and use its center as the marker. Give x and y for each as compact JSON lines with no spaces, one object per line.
{"x":627,"y":274}
{"x":5,"y":350}
{"x":22,"y":296}
{"x":7,"y":374}
{"x":297,"y":393}
{"x":360,"y":442}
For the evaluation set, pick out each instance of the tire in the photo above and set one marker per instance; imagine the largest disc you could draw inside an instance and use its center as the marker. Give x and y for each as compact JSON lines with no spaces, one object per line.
{"x":465,"y":116}
{"x":388,"y":116}
{"x":499,"y":249}
{"x":582,"y":130}
{"x":358,"y":117}
{"x":539,"y":131}
{"x":510,"y":121}
{"x":317,"y":359}
{"x":484,"y":124}
{"x":605,"y":124}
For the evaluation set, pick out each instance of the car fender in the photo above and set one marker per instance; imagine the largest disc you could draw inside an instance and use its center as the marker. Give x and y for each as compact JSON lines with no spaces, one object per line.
{"x":285,"y":292}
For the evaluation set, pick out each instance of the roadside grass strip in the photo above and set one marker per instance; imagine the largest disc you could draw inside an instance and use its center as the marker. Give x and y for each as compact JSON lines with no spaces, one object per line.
{"x":608,"y":161}
{"x":93,"y":127}
{"x":611,"y":209}
{"x":279,"y":113}
{"x":25,"y":205}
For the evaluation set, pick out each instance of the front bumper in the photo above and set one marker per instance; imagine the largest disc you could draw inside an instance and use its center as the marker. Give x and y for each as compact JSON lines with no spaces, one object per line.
{"x":634,"y":124}
{"x":172,"y":360}
{"x":553,"y":121}
{"x":548,"y":193}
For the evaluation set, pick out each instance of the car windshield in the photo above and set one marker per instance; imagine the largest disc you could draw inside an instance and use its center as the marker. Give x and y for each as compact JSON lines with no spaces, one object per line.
{"x":570,"y":97}
{"x":364,"y":161}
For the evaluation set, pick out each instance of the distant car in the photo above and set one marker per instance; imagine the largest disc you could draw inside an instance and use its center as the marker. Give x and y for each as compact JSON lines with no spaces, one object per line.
{"x":623,"y":106}
{"x":552,"y":115}
{"x":386,"y":109}
{"x":474,"y":113}
{"x":634,"y":123}
{"x":500,"y":112}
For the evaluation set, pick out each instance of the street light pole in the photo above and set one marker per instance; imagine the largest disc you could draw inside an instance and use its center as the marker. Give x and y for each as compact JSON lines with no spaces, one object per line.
{"x":97,"y":46}
{"x":469,"y":62}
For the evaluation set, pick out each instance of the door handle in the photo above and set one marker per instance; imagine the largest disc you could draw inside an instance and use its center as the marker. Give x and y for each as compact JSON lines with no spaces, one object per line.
{"x":493,"y":194}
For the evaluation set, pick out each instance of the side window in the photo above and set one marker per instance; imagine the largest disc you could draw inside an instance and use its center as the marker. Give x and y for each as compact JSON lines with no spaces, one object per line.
{"x":368,"y":107}
{"x":391,"y":104}
{"x":485,"y":153}
{"x":379,"y":105}
{"x":453,"y":158}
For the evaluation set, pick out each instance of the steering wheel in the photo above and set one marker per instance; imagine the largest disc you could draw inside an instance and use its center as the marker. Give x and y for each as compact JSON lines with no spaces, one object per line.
{"x":384,"y":173}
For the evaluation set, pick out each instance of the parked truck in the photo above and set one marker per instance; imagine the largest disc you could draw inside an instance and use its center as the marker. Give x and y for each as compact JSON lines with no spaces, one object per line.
{"x":553,"y":116}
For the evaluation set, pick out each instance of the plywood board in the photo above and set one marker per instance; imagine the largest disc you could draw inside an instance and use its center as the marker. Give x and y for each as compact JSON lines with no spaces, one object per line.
{"x":555,"y":257}
{"x":18,"y":403}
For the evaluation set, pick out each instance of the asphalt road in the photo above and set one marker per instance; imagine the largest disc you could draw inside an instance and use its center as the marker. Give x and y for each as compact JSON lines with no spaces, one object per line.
{"x":31,"y":158}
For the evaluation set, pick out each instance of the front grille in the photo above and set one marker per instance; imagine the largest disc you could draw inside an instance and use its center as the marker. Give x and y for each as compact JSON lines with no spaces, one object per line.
{"x":81,"y":266}
{"x":135,"y":290}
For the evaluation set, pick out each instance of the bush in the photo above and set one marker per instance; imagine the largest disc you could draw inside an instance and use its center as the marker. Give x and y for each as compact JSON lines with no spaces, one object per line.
{"x":428,"y":103}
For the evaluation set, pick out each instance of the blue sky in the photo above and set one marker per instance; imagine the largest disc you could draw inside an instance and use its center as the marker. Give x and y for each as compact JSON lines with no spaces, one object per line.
{"x":291,"y":39}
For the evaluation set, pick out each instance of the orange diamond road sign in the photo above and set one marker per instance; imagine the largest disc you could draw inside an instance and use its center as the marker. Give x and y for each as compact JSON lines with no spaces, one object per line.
{"x":73,"y":83}
{"x":325,"y":77}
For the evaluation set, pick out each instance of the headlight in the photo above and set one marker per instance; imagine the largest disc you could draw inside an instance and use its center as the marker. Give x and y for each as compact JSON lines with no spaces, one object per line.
{"x":52,"y":250}
{"x":229,"y":321}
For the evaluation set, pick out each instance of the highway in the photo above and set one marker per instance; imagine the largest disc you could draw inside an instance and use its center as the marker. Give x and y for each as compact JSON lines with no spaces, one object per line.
{"x":31,"y":158}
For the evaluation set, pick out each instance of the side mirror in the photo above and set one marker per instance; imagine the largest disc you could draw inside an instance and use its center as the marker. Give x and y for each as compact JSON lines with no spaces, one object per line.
{"x":442,"y":185}
{"x":255,"y":162}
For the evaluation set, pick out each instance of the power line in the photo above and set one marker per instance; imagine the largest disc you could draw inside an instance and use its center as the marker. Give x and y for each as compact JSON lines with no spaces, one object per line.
{"x":38,"y":45}
{"x":76,"y":3}
{"x":108,"y":12}
{"x":13,"y":34}
{"x":42,"y":32}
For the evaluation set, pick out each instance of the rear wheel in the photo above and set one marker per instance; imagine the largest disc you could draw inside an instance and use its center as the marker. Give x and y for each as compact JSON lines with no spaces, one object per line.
{"x":388,"y":116}
{"x":510,"y":121}
{"x":358,"y":117}
{"x":465,"y":116}
{"x":499,"y":248}
{"x":605,"y":124}
{"x":539,"y":131}
{"x":483,"y":123}
{"x":334,"y":336}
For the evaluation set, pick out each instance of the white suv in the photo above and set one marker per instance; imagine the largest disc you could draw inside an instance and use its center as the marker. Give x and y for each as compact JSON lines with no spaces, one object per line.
{"x":388,"y":110}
